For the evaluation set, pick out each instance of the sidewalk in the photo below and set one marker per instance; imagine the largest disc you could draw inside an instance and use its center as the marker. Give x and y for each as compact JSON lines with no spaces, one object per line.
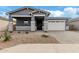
{"x":42,"y":48}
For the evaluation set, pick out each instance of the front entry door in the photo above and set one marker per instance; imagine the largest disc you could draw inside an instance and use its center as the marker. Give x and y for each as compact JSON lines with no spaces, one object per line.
{"x":39,"y":23}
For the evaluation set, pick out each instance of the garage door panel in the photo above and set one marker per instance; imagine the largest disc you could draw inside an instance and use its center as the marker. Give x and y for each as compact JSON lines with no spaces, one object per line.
{"x":56,"y":26}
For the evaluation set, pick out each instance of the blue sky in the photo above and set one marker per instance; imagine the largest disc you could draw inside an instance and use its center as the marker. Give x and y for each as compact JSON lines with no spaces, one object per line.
{"x":56,"y":11}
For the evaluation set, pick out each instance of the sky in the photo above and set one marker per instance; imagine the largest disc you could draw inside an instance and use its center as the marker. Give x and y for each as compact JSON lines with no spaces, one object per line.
{"x":56,"y":11}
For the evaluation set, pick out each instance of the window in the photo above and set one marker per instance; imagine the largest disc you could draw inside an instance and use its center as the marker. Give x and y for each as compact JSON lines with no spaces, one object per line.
{"x":26,"y":22}
{"x":59,"y":21}
{"x":52,"y":21}
{"x":62,"y":21}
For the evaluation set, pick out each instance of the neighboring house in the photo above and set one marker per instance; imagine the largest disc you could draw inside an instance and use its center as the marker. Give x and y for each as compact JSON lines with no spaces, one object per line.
{"x":74,"y":24}
{"x":35,"y":19}
{"x":3,"y":23}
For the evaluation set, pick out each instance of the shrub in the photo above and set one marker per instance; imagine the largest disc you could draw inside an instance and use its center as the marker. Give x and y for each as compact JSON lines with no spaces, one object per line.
{"x":44,"y":35}
{"x":5,"y":36}
{"x":26,"y":32}
{"x":18,"y":32}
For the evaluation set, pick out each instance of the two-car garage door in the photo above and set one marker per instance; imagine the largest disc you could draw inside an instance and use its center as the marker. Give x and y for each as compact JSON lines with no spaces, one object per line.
{"x":56,"y":25}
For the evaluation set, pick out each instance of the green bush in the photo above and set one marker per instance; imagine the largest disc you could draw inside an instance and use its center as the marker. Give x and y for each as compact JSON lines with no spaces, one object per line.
{"x":5,"y":36}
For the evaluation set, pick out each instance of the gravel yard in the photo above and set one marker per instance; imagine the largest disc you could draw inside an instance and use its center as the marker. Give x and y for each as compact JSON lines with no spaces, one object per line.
{"x":28,"y":38}
{"x":55,"y":37}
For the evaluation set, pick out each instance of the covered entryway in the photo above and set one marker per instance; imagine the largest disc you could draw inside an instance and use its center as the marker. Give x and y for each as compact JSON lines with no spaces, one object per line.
{"x":39,"y":22}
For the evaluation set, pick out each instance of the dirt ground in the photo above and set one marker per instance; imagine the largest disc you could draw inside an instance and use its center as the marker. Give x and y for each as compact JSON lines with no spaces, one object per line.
{"x":57,"y":41}
{"x":28,"y":38}
{"x":3,"y":25}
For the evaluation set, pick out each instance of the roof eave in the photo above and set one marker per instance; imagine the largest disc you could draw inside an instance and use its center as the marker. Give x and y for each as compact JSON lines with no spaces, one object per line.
{"x":48,"y":13}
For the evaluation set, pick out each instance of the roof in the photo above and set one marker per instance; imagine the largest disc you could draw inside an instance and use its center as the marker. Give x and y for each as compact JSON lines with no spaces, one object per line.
{"x":74,"y":19}
{"x":28,"y":8}
{"x":58,"y":18}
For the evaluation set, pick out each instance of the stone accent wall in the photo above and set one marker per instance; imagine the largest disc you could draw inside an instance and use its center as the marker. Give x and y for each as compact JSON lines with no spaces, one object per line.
{"x":45,"y":27}
{"x":33,"y":28}
{"x":10,"y":25}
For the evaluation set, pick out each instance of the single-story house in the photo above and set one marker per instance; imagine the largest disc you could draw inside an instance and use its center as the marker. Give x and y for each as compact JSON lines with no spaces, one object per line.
{"x":35,"y":19}
{"x":74,"y":24}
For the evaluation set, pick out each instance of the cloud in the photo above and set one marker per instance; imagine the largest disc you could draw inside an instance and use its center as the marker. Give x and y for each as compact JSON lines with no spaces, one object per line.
{"x":66,"y":12}
{"x":56,"y":13}
{"x":71,"y":12}
{"x":51,"y":13}
{"x":3,"y":14}
{"x":4,"y":10}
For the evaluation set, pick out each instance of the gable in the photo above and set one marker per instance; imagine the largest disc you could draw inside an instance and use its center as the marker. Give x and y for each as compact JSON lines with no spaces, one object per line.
{"x":25,"y":11}
{"x":38,"y":13}
{"x":28,"y":11}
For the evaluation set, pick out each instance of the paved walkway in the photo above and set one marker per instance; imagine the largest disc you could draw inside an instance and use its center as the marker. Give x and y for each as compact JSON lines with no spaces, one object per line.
{"x":42,"y":48}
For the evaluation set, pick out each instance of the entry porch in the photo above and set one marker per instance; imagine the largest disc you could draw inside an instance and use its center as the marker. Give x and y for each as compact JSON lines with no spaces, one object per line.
{"x":28,"y":24}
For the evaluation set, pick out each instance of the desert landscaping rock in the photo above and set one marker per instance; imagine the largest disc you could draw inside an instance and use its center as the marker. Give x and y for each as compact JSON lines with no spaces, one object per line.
{"x":30,"y":38}
{"x":59,"y":41}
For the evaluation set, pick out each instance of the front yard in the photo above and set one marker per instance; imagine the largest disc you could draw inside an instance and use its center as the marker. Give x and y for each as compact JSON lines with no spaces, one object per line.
{"x":28,"y":38}
{"x":55,"y":37}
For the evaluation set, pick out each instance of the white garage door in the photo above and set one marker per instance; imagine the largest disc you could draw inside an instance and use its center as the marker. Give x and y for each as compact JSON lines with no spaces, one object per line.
{"x":56,"y":25}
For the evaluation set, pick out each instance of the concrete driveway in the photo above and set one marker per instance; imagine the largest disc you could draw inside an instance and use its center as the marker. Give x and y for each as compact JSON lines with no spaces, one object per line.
{"x":66,"y":37}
